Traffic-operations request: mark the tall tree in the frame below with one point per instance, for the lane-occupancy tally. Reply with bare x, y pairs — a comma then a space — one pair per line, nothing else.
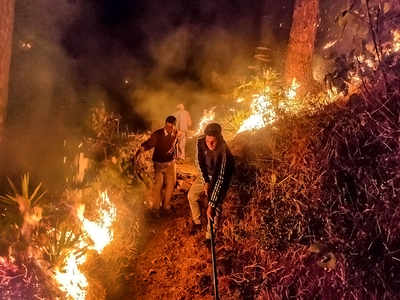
301, 44
7, 8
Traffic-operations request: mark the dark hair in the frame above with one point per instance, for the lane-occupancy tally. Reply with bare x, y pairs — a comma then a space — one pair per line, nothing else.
170, 119
213, 129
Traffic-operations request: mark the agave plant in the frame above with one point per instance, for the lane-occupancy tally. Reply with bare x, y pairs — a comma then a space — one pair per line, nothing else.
60, 241
25, 201
27, 204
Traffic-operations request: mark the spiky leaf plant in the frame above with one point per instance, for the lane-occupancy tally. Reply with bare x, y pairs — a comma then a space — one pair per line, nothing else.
59, 242
28, 206
26, 201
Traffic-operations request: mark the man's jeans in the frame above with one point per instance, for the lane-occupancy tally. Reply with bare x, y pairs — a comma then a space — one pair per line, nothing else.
164, 173
194, 197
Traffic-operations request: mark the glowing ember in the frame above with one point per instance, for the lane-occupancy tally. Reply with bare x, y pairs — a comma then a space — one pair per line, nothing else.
208, 116
396, 40
262, 113
71, 279
333, 93
291, 93
330, 44
367, 61
239, 100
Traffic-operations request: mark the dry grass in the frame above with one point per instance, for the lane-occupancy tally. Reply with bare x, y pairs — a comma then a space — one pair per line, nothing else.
322, 208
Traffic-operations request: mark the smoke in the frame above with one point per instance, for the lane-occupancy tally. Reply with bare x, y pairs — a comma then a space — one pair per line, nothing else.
194, 63
43, 94
138, 57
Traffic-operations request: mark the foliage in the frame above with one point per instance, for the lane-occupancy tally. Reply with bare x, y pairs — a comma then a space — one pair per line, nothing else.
104, 125
280, 101
322, 207
26, 201
59, 241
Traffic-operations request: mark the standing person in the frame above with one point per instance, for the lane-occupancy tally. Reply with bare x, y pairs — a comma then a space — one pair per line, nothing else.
163, 141
216, 164
183, 124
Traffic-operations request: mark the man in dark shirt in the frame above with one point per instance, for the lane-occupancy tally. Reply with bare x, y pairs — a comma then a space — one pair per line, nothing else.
163, 141
216, 165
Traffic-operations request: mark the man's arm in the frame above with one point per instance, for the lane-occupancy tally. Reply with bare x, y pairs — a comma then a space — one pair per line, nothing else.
201, 161
148, 144
218, 186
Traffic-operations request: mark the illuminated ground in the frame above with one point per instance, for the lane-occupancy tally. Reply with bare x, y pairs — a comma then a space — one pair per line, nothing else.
170, 260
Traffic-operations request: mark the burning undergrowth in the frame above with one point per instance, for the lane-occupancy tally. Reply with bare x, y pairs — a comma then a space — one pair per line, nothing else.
55, 244
321, 210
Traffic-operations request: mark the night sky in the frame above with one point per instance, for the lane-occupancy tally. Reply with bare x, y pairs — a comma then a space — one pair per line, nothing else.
122, 50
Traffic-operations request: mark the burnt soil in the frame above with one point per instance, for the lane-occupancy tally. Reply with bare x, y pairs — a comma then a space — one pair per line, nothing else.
171, 262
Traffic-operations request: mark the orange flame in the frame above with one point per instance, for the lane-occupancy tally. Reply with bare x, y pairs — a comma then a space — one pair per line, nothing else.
396, 40
262, 113
99, 232
292, 91
71, 279
208, 116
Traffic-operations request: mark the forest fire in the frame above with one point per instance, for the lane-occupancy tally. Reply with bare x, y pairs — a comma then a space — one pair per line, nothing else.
330, 44
291, 93
305, 173
208, 116
396, 40
99, 232
260, 108
71, 279
262, 111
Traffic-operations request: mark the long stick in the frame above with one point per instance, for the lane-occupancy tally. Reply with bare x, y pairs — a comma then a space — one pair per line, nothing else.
214, 261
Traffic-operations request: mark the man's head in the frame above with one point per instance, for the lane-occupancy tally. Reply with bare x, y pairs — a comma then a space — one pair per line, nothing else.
170, 123
213, 135
180, 106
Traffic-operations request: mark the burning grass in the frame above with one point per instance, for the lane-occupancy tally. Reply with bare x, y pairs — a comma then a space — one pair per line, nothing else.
55, 247
313, 210
321, 211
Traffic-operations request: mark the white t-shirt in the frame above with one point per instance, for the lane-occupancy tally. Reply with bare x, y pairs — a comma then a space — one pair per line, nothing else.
183, 120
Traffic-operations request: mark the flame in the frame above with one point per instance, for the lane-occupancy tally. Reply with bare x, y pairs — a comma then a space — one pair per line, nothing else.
291, 93
367, 61
99, 232
262, 113
71, 279
396, 40
330, 44
208, 116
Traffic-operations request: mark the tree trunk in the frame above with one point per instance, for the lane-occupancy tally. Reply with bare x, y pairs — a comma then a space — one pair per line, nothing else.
301, 44
6, 29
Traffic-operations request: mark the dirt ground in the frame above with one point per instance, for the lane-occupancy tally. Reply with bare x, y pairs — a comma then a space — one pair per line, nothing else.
171, 263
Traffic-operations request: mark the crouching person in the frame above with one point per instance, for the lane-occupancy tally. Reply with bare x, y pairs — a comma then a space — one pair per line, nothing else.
216, 165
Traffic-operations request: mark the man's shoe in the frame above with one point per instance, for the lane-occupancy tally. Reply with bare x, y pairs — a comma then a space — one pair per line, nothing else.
195, 228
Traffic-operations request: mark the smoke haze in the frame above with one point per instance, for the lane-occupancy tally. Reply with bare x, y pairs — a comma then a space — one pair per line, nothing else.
139, 58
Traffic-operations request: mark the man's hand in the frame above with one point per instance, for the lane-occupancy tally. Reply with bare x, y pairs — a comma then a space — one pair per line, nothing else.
140, 150
206, 187
211, 212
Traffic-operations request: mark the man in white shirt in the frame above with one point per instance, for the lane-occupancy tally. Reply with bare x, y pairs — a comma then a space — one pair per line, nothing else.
183, 124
